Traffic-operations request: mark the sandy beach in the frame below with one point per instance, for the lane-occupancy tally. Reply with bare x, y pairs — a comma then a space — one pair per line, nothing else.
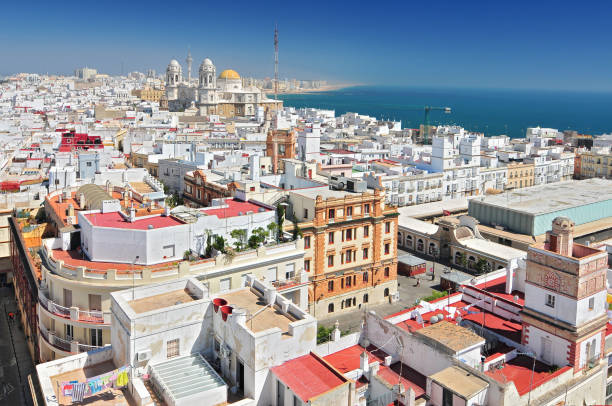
322, 89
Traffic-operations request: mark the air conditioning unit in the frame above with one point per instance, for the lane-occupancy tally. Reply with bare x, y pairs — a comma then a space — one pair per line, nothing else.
144, 355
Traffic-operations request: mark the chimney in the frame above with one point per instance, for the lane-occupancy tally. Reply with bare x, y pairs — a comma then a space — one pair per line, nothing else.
364, 362
561, 237
70, 210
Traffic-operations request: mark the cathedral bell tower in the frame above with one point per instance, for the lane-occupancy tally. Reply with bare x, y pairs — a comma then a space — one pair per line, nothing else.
207, 98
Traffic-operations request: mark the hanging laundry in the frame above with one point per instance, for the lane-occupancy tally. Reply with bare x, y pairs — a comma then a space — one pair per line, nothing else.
78, 392
122, 379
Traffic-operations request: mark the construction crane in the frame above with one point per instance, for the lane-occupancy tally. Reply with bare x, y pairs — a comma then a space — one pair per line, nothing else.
425, 135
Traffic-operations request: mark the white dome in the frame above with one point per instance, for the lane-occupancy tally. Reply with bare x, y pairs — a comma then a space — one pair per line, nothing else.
207, 64
174, 66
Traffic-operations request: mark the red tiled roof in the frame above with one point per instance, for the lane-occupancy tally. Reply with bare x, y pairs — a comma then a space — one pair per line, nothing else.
233, 209
518, 370
347, 360
409, 377
76, 258
115, 220
308, 376
506, 328
497, 288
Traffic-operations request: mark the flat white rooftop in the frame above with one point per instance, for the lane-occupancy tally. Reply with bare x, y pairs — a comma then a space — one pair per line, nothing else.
552, 197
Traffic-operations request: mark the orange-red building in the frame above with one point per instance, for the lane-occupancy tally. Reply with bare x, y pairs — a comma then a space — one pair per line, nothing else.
350, 243
199, 191
280, 144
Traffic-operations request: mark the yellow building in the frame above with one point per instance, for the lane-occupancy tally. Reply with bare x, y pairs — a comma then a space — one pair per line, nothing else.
149, 94
520, 175
595, 165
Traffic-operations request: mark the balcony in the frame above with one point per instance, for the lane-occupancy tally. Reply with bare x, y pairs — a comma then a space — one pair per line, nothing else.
67, 347
289, 284
73, 313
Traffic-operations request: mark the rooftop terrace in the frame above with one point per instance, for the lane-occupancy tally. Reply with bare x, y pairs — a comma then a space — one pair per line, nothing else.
267, 318
149, 303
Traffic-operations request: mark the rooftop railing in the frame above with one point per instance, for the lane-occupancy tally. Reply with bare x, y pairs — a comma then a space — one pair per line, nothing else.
73, 313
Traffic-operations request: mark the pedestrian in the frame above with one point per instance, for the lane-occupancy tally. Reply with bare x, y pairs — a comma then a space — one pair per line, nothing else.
11, 316
433, 275
418, 282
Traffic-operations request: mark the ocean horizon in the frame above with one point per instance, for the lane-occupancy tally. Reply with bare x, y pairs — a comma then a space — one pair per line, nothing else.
491, 111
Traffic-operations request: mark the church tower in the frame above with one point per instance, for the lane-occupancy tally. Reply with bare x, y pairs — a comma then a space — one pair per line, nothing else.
207, 98
565, 312
174, 76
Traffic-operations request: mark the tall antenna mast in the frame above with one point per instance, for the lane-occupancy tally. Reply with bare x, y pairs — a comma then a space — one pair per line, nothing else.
275, 62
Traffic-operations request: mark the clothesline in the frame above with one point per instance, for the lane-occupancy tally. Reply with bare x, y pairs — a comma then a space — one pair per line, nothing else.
116, 378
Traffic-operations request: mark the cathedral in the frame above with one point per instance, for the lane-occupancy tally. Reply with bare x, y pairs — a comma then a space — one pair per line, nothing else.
224, 95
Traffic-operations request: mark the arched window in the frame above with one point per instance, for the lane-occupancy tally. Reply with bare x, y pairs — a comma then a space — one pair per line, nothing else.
458, 258
330, 308
386, 292
365, 298
420, 245
409, 241
432, 248
471, 261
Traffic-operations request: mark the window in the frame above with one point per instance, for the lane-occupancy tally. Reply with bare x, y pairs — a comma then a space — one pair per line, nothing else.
330, 260
172, 348
591, 303
348, 281
88, 163
365, 276
349, 211
342, 283
96, 337
366, 231
386, 272
387, 248
366, 208
95, 302
225, 284
305, 213
365, 253
332, 213
67, 298
330, 286
307, 265
550, 300
365, 298
68, 332
307, 242
349, 257
331, 237
386, 292
330, 308
347, 302
388, 227
349, 234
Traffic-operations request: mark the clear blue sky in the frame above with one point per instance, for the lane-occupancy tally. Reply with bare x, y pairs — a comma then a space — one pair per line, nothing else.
512, 44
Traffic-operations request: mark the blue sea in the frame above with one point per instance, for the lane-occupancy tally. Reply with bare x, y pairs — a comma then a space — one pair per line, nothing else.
492, 111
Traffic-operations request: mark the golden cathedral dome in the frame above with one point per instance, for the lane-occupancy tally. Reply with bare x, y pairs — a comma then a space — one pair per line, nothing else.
229, 74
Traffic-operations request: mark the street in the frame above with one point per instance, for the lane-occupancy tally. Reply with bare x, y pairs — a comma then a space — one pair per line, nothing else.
408, 291
15, 361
